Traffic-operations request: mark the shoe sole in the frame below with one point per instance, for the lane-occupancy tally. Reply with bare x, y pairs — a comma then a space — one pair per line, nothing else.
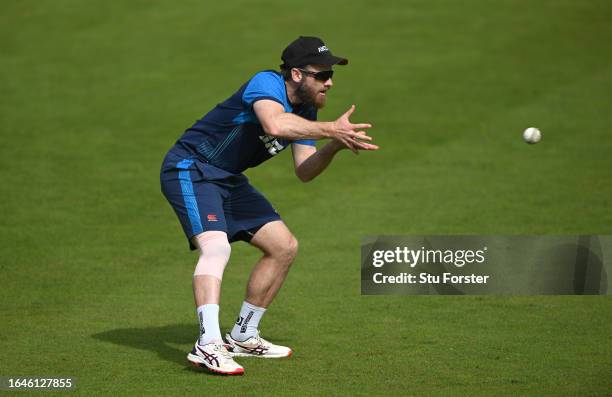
237, 354
194, 361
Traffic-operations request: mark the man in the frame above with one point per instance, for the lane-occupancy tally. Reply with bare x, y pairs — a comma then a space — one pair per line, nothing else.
202, 179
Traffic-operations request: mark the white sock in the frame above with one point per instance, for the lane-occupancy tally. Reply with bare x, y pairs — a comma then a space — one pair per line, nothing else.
247, 322
209, 324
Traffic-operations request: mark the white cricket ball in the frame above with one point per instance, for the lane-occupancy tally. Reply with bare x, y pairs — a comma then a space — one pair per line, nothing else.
532, 135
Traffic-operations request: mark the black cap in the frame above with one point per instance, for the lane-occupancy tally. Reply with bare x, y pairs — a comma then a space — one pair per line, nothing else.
309, 51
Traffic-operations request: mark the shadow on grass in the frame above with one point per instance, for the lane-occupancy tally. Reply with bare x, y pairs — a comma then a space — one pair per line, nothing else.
155, 339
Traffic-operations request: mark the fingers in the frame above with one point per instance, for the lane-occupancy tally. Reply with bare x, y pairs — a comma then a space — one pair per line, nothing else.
353, 136
356, 145
365, 145
352, 147
346, 122
350, 111
357, 141
360, 140
361, 126
368, 146
349, 144
360, 135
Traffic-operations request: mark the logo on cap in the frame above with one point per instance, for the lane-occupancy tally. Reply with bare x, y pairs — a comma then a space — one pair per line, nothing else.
307, 50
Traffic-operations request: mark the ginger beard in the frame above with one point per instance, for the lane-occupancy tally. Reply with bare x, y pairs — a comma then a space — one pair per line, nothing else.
310, 94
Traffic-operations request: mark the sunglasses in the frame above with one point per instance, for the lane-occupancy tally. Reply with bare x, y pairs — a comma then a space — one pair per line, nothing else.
321, 76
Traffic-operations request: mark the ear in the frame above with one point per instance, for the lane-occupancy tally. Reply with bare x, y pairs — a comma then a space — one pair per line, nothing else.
296, 75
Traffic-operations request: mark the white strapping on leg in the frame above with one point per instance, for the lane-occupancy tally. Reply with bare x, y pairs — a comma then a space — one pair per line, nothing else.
215, 252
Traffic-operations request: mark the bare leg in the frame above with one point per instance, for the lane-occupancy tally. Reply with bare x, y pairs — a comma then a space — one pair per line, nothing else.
206, 289
279, 249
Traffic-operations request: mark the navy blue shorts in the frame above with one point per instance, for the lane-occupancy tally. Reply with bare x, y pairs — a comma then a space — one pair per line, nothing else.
207, 198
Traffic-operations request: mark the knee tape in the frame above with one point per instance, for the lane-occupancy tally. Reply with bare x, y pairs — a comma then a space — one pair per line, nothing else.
214, 254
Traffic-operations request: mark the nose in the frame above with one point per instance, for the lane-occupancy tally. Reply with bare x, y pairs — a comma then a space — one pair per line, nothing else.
328, 83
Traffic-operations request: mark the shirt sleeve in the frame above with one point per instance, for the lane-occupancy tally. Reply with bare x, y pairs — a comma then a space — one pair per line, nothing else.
264, 85
308, 142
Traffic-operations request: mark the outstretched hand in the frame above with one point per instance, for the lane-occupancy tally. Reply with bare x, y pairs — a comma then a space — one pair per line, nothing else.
352, 136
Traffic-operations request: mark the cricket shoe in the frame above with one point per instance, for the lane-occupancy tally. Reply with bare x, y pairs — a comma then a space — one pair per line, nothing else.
214, 357
256, 346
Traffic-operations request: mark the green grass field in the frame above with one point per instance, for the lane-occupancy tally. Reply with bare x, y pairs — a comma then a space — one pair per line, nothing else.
95, 275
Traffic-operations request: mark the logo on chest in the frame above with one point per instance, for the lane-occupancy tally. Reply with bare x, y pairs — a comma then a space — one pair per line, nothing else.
272, 144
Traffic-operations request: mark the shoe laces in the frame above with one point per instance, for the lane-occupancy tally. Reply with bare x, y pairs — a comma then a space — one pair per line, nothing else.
261, 340
221, 349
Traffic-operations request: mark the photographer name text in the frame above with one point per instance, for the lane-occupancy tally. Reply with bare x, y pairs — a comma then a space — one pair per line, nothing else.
422, 256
